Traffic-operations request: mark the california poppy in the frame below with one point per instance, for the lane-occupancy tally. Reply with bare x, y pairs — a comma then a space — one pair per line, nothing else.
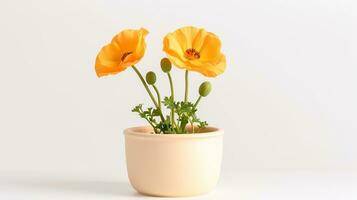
125, 50
195, 49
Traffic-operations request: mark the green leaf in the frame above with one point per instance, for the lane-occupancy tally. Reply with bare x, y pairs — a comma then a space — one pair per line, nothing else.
185, 113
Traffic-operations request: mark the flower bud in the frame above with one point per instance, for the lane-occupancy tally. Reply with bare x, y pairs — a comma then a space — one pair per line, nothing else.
165, 65
151, 78
205, 88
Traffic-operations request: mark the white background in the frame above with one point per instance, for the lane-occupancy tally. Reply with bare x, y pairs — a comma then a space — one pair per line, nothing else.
287, 101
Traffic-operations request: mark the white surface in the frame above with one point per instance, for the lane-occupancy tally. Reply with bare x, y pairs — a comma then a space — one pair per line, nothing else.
252, 186
287, 100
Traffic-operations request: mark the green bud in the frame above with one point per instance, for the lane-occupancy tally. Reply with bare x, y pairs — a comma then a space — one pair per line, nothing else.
205, 88
151, 78
165, 65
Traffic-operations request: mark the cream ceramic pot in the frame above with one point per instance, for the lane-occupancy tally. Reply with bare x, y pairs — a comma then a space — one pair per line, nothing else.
171, 165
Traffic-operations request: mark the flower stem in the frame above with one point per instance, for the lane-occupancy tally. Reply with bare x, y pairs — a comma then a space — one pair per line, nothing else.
198, 100
173, 99
192, 126
158, 96
149, 92
186, 85
194, 107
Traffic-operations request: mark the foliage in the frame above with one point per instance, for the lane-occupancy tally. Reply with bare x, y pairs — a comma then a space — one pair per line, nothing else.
184, 114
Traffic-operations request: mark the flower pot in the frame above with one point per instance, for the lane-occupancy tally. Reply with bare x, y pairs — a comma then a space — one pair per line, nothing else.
171, 165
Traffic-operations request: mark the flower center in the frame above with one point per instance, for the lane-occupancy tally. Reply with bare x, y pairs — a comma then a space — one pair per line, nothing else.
125, 55
192, 54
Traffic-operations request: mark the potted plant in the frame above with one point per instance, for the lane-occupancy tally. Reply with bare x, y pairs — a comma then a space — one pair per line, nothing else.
176, 154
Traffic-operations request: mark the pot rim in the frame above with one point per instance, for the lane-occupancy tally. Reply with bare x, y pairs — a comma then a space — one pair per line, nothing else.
143, 131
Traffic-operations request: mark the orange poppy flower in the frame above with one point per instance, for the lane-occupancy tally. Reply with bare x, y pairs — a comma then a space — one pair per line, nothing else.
125, 50
195, 49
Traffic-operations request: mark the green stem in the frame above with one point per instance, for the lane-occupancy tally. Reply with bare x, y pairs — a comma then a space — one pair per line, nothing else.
152, 125
186, 85
192, 126
198, 100
194, 107
158, 96
173, 99
159, 100
149, 92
